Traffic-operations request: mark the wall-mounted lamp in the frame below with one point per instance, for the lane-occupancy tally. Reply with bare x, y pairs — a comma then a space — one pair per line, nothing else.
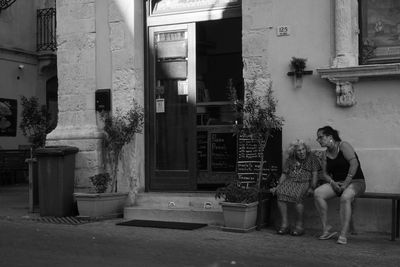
298, 66
21, 66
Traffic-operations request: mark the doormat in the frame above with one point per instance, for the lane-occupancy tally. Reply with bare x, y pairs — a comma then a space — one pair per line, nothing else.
59, 220
163, 224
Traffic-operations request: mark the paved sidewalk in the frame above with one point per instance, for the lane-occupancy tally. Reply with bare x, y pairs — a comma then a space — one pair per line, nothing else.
104, 243
14, 201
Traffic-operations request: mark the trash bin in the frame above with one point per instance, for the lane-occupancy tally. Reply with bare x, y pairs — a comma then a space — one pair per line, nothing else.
56, 167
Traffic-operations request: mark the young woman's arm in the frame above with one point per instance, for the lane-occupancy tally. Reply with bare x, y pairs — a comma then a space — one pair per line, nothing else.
350, 156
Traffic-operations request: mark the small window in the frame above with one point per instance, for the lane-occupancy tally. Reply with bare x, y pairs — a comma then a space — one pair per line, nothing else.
380, 31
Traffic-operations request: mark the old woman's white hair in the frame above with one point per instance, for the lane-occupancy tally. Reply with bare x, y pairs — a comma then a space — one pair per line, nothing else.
293, 146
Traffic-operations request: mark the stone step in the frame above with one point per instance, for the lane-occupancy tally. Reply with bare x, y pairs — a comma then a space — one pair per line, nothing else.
211, 217
181, 207
178, 200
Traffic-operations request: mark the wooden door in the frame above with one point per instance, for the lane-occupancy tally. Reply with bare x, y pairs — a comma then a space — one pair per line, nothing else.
172, 108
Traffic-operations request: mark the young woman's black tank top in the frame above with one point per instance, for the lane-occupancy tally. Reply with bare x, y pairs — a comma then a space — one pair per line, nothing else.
338, 168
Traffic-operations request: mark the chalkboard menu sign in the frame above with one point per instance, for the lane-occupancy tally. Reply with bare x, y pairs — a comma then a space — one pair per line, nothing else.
249, 156
223, 152
202, 150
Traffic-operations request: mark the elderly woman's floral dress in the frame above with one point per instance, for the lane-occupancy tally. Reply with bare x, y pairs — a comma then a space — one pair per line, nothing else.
298, 179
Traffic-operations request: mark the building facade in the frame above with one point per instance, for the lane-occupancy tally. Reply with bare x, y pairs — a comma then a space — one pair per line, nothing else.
27, 63
180, 59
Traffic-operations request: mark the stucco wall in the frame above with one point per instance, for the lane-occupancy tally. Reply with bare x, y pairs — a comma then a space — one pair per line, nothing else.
371, 125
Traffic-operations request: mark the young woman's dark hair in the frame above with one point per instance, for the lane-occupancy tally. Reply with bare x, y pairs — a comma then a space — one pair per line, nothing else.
328, 130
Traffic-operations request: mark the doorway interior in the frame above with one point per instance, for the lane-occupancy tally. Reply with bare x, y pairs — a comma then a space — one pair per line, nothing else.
194, 71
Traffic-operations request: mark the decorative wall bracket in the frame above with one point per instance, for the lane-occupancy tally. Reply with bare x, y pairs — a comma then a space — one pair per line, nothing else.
298, 76
344, 92
5, 4
298, 66
344, 78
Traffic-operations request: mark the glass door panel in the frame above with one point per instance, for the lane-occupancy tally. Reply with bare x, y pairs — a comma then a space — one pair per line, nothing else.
172, 103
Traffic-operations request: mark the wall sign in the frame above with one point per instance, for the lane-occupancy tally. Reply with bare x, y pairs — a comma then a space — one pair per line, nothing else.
168, 6
223, 152
8, 117
282, 30
160, 105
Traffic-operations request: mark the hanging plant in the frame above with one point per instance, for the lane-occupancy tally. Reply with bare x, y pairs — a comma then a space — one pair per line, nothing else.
298, 65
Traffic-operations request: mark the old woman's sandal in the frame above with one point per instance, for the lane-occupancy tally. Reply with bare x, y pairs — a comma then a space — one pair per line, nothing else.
298, 232
283, 231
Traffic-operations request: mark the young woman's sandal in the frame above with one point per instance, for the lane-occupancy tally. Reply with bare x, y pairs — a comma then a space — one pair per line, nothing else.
327, 235
342, 240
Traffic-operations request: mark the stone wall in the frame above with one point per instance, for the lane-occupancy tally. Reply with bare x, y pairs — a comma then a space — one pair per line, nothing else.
256, 73
86, 37
76, 37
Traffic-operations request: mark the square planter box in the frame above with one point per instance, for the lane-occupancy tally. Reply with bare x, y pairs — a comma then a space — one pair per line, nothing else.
239, 217
100, 205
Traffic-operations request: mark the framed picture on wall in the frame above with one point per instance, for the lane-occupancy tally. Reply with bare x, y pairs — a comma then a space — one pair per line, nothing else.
380, 31
8, 117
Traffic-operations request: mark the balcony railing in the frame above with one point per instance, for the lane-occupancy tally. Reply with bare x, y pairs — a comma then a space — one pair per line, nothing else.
46, 29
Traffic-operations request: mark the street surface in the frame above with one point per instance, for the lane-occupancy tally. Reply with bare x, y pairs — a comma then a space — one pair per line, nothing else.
29, 243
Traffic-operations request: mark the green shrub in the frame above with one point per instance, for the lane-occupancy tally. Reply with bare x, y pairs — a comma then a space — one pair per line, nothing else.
235, 193
100, 181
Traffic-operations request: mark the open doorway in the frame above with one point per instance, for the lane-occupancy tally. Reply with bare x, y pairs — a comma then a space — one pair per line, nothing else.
219, 75
193, 68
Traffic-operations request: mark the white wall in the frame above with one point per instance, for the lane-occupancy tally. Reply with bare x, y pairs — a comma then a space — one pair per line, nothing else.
371, 126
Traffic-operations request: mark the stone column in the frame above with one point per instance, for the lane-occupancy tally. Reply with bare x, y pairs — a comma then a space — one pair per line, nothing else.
76, 66
346, 52
344, 30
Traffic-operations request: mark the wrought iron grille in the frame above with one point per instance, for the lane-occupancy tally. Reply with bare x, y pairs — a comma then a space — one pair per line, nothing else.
5, 3
46, 29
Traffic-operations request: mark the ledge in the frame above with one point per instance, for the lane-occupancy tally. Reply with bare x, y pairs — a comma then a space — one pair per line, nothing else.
345, 77
353, 73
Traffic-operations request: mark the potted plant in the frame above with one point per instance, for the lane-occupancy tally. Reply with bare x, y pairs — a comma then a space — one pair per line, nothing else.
239, 206
368, 49
259, 121
34, 125
97, 203
119, 130
298, 66
34, 118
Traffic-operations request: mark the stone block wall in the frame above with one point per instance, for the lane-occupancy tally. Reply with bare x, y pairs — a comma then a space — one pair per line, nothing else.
113, 37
